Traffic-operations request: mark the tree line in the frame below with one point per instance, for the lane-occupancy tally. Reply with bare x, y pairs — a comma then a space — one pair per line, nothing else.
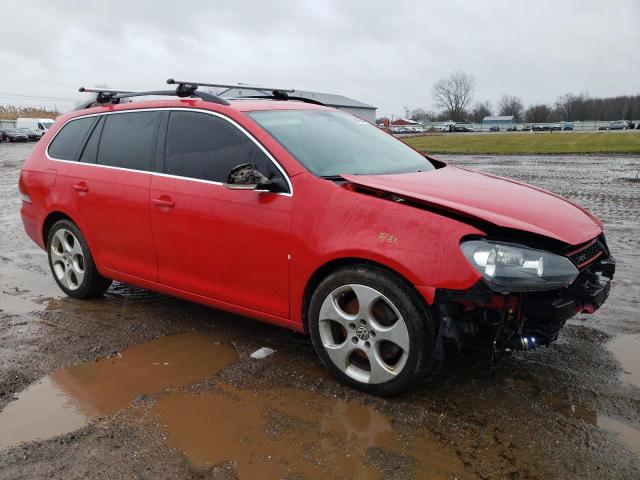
453, 100
11, 112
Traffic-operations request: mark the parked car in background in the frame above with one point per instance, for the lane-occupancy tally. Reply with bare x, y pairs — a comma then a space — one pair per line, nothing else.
526, 128
566, 126
39, 125
546, 127
13, 135
30, 133
512, 128
494, 128
615, 125
618, 125
463, 127
1, 136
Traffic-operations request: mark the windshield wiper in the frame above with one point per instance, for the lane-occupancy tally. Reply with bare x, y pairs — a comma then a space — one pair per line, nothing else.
333, 178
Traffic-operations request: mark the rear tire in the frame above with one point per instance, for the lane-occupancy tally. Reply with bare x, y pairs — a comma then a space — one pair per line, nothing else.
371, 330
71, 262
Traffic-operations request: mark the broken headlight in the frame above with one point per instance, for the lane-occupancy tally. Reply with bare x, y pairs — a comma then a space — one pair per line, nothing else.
515, 268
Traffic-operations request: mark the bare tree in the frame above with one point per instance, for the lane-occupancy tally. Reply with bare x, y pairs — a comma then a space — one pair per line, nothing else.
572, 107
511, 105
420, 115
538, 113
480, 110
454, 94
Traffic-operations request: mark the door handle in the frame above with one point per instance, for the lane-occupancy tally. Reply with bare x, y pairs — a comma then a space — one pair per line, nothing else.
163, 203
81, 187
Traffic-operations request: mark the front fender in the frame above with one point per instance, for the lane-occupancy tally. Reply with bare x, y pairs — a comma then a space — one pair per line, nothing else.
420, 245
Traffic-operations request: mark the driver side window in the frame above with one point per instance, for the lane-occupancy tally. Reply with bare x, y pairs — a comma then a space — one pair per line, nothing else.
206, 147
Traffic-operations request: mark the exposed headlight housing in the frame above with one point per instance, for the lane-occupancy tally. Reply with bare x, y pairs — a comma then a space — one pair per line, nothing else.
509, 267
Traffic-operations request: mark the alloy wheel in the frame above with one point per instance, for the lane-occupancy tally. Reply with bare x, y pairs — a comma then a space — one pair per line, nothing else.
67, 259
364, 334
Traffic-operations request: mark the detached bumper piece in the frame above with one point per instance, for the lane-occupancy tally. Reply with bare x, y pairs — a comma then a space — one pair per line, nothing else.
585, 295
544, 317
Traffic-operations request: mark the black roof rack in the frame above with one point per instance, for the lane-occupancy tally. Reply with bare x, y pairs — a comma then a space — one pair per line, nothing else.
186, 89
183, 90
276, 93
171, 81
105, 95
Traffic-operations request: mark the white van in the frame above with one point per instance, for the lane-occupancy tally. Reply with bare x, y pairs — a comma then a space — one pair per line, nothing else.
39, 125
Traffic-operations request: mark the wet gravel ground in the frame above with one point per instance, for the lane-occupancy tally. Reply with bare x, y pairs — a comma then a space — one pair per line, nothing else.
535, 416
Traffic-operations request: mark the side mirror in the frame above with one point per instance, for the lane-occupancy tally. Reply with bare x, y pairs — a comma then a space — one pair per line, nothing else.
248, 177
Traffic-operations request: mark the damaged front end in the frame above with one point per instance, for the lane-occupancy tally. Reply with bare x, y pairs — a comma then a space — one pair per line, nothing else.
525, 307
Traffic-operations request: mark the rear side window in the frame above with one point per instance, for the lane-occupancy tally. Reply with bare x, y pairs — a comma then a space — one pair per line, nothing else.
128, 140
66, 145
207, 147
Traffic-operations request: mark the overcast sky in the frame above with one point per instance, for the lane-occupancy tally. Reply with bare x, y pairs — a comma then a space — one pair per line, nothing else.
384, 53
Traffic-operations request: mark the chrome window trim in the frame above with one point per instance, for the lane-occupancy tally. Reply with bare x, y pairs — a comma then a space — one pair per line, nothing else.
164, 109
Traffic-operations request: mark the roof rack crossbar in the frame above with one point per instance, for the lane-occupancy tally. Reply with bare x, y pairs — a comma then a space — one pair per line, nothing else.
105, 95
171, 81
98, 90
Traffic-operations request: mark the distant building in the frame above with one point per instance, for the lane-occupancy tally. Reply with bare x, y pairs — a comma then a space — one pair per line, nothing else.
402, 122
354, 107
7, 123
499, 121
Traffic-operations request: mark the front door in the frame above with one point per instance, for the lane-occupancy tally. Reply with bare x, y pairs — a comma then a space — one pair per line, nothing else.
228, 245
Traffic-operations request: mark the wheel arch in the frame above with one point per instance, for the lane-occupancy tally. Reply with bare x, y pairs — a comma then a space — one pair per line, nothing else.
53, 216
331, 266
50, 219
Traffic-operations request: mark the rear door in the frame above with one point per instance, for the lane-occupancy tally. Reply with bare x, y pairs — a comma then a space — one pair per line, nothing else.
110, 185
229, 245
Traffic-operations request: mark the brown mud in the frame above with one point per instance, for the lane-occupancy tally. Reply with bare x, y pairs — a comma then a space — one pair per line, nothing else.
569, 411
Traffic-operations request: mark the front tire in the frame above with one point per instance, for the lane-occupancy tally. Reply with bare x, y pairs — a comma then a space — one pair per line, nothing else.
71, 262
371, 330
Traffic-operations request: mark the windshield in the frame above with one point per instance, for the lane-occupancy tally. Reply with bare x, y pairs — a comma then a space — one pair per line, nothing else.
331, 143
46, 125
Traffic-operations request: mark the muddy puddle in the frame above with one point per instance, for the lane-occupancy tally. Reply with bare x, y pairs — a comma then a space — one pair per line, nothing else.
70, 398
272, 433
627, 434
28, 291
290, 433
626, 348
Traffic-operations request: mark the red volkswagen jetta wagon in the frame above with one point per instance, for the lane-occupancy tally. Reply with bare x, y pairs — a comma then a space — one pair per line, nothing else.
285, 210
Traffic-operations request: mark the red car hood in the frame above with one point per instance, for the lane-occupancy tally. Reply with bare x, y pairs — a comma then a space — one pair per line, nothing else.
499, 201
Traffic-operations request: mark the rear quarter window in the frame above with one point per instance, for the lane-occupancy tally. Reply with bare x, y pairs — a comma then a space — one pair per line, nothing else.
67, 143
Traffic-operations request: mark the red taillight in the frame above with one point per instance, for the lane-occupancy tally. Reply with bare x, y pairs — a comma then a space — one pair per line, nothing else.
23, 190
